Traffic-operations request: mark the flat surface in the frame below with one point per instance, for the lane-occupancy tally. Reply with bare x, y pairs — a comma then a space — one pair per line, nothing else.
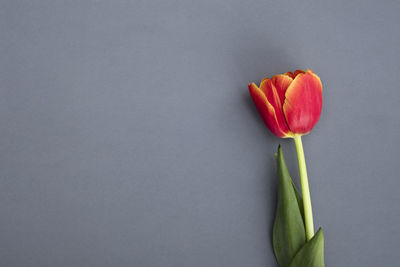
128, 137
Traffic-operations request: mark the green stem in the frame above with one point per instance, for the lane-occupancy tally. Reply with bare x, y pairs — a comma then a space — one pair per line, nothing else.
308, 217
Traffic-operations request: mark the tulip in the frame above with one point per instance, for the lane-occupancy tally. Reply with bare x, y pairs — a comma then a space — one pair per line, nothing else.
290, 104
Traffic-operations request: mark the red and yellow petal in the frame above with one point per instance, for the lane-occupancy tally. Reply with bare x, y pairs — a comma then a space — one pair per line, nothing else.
290, 74
303, 102
281, 83
274, 98
267, 112
297, 72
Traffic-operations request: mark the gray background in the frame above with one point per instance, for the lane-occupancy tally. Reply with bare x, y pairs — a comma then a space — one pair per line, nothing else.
128, 137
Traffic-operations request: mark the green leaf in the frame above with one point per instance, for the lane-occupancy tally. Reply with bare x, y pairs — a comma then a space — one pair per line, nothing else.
298, 196
312, 253
288, 233
299, 201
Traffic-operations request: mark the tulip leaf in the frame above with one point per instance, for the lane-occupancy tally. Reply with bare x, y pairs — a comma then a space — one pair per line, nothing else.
288, 232
312, 253
299, 201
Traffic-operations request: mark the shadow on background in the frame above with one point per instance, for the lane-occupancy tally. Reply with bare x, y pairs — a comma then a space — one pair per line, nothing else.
255, 60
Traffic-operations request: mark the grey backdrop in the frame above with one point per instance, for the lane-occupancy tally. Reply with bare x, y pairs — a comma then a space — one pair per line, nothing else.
128, 137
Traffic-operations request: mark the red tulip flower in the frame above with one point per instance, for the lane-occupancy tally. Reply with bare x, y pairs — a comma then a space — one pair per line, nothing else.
289, 104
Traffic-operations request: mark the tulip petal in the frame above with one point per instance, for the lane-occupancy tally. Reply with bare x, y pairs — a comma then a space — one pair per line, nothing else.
266, 111
303, 102
281, 83
297, 72
290, 74
274, 97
